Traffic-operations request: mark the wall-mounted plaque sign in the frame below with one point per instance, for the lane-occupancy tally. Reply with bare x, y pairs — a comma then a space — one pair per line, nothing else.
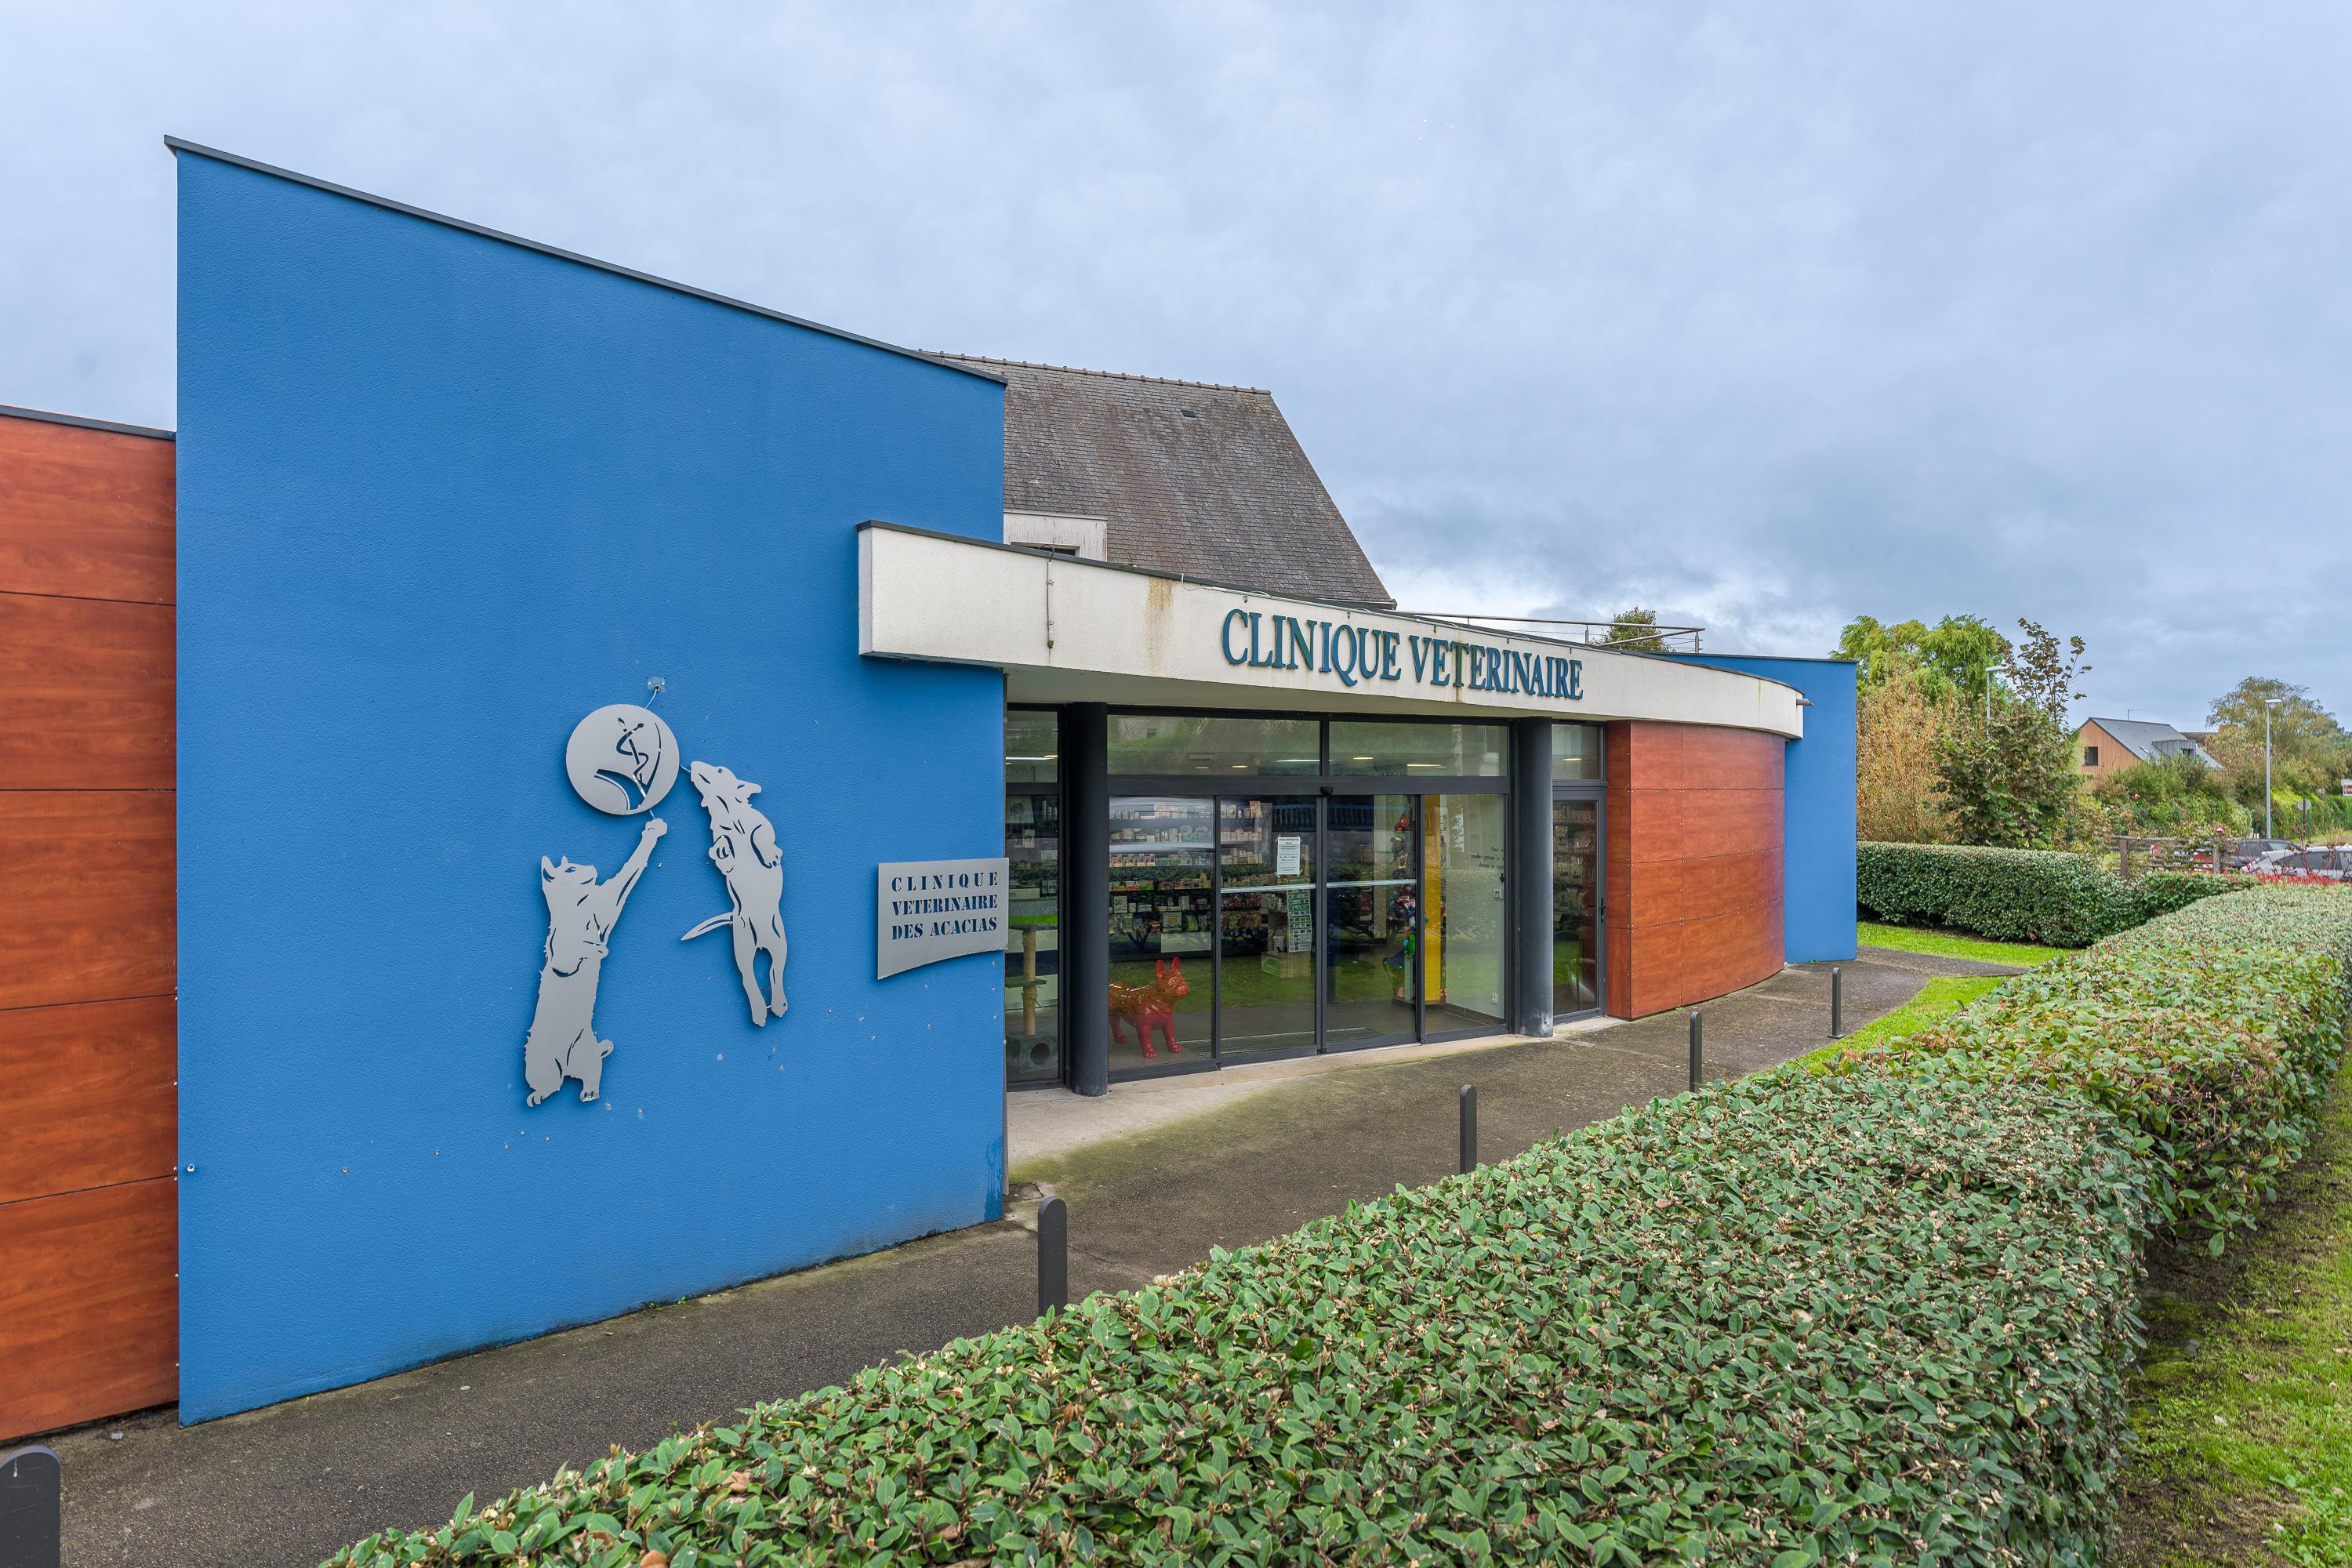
926, 910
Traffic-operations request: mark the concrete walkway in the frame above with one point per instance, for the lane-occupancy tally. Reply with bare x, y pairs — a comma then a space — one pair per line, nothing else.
1154, 1177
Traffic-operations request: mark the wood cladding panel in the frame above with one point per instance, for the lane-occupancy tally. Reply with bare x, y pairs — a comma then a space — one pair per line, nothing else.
1728, 821
90, 1097
89, 685
84, 513
1695, 870
89, 1245
90, 911
91, 1298
1746, 761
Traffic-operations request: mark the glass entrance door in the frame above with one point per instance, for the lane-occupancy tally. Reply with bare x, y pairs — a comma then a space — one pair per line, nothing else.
1464, 915
1371, 914
1244, 927
1267, 865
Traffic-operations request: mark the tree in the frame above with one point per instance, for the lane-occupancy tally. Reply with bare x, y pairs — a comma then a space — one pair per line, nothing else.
2171, 795
1637, 629
2005, 771
1958, 655
2309, 749
1899, 724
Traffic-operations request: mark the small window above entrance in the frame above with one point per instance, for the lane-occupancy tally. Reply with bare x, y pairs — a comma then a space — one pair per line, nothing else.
1407, 750
1212, 745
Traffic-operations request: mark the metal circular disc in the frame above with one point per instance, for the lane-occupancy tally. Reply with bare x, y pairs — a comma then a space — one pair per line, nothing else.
622, 758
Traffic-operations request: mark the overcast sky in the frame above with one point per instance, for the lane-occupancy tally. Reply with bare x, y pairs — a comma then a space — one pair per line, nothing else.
1766, 315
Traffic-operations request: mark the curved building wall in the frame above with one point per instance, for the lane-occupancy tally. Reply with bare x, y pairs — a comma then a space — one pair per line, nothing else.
1697, 819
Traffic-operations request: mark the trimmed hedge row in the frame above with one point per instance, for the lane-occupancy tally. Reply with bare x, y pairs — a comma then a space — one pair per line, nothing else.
2213, 1031
1853, 1315
1877, 1313
2018, 894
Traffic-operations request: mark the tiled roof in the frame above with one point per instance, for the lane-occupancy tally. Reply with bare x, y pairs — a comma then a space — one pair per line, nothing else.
2147, 740
1191, 477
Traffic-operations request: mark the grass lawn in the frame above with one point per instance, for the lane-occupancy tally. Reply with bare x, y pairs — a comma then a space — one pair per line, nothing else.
2243, 1401
1944, 994
1950, 945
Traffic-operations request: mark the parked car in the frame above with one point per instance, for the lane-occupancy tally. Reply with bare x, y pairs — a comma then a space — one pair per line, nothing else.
2246, 852
2295, 861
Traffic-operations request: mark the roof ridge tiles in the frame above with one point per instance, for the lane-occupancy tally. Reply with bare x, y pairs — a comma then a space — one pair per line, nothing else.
1107, 374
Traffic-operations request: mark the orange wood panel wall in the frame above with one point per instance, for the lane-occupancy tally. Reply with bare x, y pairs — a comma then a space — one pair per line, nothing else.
88, 1214
1695, 820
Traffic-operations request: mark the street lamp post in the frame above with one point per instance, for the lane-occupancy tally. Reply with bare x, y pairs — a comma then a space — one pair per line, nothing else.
2268, 703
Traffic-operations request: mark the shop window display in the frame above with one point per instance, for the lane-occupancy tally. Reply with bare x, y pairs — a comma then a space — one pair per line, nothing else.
1575, 906
1033, 849
1162, 923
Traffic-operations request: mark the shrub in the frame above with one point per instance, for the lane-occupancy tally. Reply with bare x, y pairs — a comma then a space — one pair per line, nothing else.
2213, 1031
2018, 895
1900, 718
1875, 1314
1881, 1317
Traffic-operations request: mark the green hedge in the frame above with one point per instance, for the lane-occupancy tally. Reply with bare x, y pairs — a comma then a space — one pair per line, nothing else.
2018, 895
2213, 1031
1883, 1317
1873, 1314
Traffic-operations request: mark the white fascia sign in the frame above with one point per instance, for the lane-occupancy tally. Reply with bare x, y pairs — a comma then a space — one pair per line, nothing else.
1067, 630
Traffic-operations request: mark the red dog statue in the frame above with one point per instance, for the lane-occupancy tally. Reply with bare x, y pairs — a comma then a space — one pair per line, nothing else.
1150, 1007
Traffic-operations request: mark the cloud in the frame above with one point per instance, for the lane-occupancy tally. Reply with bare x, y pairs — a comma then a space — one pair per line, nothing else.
1767, 315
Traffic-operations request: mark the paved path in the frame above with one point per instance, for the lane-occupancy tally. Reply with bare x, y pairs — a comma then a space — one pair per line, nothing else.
290, 1484
1935, 964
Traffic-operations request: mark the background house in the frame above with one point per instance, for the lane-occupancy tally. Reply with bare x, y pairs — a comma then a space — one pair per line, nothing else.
2105, 746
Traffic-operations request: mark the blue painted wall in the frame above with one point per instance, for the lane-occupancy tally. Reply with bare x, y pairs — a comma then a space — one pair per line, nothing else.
1819, 845
440, 497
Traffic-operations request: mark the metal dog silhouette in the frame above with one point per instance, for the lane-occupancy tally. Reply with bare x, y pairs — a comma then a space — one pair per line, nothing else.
743, 848
581, 914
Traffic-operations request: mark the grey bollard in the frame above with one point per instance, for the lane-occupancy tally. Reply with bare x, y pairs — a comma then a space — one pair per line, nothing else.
1053, 1256
31, 1520
1698, 1050
1469, 1151
1837, 1004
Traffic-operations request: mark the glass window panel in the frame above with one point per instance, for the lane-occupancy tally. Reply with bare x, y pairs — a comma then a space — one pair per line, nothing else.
1462, 866
1369, 904
1213, 745
1266, 975
1032, 958
1032, 745
1400, 750
1160, 918
1575, 906
1576, 750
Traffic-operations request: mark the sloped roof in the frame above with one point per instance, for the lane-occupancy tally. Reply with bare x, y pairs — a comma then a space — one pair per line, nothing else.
2147, 740
1203, 480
